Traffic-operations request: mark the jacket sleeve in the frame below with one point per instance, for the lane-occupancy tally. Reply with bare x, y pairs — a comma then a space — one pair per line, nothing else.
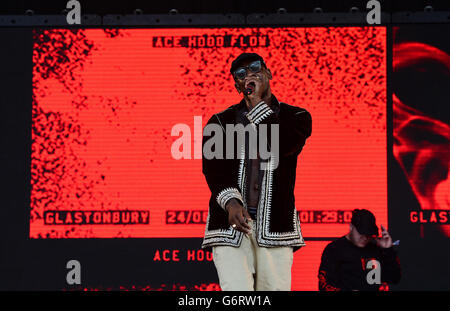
390, 266
328, 271
217, 169
298, 128
294, 129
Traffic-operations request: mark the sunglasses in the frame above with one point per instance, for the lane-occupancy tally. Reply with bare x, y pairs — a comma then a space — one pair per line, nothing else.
241, 72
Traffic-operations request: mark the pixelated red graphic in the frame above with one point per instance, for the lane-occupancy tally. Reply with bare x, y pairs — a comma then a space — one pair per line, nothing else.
422, 143
105, 101
160, 287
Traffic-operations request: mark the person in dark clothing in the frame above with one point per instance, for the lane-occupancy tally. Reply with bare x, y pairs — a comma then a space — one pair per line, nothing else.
348, 263
253, 226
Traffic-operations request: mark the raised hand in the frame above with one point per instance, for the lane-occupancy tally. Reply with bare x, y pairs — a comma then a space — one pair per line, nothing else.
385, 241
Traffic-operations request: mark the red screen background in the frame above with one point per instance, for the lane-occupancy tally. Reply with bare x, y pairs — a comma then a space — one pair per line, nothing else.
105, 102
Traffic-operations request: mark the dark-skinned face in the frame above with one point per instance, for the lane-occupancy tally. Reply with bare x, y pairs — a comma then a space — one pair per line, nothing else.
262, 78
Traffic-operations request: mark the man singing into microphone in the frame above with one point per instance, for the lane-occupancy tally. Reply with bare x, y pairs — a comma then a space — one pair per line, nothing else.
253, 226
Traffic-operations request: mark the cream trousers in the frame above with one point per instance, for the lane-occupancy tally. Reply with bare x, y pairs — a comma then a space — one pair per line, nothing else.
251, 267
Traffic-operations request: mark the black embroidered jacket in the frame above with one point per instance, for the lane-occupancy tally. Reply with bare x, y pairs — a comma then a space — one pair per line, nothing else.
277, 221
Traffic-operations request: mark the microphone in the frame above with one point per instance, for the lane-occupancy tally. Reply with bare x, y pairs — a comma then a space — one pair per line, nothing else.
249, 89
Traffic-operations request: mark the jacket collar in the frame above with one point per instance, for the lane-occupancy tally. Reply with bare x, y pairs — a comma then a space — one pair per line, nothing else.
274, 104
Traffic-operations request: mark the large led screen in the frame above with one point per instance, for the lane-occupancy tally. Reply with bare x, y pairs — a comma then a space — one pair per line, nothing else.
419, 207
105, 162
105, 103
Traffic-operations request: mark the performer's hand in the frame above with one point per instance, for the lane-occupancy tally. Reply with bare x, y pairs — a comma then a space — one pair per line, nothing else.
238, 216
385, 241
